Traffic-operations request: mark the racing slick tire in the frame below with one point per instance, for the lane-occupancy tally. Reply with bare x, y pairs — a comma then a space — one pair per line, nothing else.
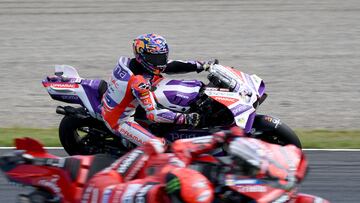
272, 130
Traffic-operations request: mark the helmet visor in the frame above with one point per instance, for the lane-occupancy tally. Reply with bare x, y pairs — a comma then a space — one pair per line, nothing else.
156, 59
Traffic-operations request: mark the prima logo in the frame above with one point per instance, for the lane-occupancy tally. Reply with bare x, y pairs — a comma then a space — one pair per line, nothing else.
240, 109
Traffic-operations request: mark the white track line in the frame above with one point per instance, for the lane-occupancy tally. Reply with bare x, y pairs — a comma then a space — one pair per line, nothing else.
334, 150
45, 148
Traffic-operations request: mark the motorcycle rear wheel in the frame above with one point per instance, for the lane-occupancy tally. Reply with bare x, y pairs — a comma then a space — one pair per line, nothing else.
87, 136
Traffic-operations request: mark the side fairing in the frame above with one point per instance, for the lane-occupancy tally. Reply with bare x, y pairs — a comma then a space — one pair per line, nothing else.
240, 106
177, 95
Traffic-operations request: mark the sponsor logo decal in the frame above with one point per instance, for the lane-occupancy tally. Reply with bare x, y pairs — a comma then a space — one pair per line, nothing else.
221, 93
227, 99
118, 193
241, 121
182, 96
217, 89
239, 109
119, 73
51, 184
251, 188
130, 192
144, 86
87, 193
107, 193
141, 195
167, 116
231, 181
177, 136
70, 97
64, 85
95, 195
275, 121
144, 94
128, 161
173, 185
130, 136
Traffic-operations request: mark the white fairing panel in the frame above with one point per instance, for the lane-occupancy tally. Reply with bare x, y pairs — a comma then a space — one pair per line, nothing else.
242, 118
76, 91
258, 83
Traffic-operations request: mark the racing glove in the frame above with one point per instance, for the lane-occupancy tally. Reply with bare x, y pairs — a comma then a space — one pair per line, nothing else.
205, 65
192, 119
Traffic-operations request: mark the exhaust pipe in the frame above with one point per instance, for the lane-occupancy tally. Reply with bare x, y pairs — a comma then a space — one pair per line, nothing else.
60, 110
71, 111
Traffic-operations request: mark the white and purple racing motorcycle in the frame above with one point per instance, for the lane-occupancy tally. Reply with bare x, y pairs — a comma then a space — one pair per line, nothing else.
230, 98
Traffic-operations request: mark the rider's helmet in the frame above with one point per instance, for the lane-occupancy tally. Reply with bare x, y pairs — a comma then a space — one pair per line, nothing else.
189, 186
151, 50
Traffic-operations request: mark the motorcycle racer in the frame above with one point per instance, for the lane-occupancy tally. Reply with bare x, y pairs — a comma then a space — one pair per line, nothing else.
130, 85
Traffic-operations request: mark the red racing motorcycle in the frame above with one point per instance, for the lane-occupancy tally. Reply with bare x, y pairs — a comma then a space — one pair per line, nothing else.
58, 179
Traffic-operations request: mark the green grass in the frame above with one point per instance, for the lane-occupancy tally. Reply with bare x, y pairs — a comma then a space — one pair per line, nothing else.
49, 137
347, 139
309, 138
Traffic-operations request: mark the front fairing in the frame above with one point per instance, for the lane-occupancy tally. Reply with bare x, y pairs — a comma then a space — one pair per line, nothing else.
241, 107
284, 171
246, 90
238, 79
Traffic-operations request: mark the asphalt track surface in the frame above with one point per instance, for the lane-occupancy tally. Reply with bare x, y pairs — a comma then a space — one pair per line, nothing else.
333, 175
308, 51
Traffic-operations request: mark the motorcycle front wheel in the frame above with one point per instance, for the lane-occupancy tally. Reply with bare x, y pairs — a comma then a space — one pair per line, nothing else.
272, 130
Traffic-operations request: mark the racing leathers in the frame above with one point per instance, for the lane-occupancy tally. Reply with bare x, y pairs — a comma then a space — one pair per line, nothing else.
130, 86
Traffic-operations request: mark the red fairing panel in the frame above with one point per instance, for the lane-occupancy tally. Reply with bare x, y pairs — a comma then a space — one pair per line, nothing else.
32, 147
